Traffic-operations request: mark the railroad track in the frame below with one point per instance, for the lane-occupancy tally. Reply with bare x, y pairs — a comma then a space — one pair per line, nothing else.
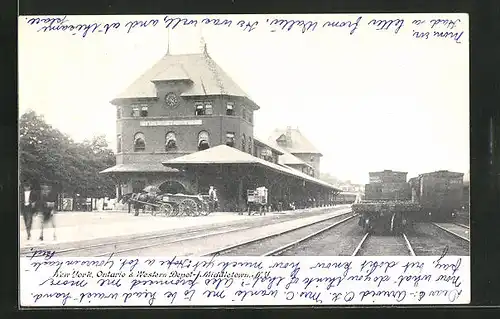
141, 242
373, 245
462, 225
452, 232
277, 243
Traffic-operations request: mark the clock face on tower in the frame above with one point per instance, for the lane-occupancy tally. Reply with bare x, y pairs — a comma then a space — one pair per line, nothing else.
171, 99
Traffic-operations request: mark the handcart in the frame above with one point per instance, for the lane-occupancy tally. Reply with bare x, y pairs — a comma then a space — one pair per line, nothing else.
257, 201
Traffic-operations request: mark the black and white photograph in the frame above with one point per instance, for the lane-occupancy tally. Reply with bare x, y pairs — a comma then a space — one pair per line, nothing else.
202, 141
348, 136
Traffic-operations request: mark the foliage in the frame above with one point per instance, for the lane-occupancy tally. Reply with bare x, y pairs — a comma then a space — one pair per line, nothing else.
48, 155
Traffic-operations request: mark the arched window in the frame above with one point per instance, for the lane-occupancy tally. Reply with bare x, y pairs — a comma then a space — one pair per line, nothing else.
203, 141
119, 143
139, 142
170, 142
230, 139
243, 143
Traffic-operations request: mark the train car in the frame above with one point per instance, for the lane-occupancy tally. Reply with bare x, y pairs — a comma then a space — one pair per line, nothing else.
440, 194
346, 198
387, 206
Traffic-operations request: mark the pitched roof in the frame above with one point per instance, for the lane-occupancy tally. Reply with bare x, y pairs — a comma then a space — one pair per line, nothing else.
290, 159
298, 144
223, 154
274, 148
139, 167
207, 77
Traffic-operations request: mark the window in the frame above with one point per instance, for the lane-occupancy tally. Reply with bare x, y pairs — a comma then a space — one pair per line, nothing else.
170, 142
230, 139
203, 141
135, 112
119, 143
250, 147
118, 112
266, 154
250, 117
200, 110
144, 111
230, 109
311, 159
203, 108
208, 109
139, 142
243, 143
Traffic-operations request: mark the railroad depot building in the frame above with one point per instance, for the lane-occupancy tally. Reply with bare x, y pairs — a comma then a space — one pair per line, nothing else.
185, 125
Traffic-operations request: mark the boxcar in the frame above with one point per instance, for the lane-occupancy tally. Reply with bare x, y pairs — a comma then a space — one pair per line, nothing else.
439, 193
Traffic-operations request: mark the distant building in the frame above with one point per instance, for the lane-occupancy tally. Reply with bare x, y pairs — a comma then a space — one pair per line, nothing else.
303, 153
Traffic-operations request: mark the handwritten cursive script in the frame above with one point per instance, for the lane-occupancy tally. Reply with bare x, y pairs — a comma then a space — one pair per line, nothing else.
48, 280
438, 28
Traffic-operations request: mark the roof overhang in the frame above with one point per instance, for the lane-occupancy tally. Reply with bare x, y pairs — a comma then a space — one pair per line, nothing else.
139, 168
225, 155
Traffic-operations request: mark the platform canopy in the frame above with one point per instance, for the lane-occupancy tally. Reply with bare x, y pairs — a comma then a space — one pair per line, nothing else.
223, 154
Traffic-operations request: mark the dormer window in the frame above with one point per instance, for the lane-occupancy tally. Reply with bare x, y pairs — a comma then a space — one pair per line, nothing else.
230, 109
144, 111
230, 139
170, 142
281, 140
136, 112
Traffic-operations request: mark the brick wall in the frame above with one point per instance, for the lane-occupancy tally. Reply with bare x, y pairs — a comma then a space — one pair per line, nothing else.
216, 125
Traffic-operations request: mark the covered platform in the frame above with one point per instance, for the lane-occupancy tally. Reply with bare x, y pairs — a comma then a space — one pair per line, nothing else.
233, 172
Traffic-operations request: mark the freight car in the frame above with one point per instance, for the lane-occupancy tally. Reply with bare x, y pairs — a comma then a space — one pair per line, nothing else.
346, 198
387, 207
439, 193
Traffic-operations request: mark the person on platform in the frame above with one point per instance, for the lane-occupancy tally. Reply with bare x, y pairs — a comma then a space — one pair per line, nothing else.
212, 196
29, 199
47, 206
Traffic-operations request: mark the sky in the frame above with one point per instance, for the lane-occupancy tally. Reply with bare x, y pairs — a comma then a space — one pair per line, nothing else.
369, 101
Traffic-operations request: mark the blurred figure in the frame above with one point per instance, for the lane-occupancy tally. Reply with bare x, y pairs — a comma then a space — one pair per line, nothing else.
47, 206
29, 199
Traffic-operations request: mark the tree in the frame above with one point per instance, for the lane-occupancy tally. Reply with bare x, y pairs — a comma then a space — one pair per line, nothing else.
47, 155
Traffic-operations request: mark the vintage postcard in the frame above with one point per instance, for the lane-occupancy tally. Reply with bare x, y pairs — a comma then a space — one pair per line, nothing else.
244, 160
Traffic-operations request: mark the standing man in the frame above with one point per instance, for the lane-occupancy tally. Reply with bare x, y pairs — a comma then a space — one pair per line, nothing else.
212, 197
29, 200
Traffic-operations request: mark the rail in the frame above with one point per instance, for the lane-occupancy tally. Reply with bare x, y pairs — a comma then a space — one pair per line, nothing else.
287, 246
407, 244
451, 232
462, 225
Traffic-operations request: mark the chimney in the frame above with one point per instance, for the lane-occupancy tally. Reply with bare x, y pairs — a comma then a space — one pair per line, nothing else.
289, 136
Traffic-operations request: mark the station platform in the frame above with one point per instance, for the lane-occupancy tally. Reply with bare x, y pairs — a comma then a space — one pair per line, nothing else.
84, 226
